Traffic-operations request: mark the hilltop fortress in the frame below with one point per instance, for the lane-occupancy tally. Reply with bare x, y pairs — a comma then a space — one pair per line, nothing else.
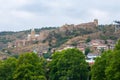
89, 25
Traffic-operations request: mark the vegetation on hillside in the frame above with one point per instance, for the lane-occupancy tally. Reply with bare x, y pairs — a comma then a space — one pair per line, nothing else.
57, 37
68, 64
106, 67
62, 37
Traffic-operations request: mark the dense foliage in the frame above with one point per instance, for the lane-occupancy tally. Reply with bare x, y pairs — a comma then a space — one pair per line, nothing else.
87, 50
98, 69
107, 66
7, 68
27, 67
68, 65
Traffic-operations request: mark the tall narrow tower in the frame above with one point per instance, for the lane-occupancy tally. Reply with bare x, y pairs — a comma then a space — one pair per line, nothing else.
96, 22
32, 33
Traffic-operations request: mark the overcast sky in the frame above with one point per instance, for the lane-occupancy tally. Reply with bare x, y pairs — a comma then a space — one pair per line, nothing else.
17, 15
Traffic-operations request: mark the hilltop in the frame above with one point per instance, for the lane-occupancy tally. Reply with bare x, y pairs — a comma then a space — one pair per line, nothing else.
49, 39
10, 36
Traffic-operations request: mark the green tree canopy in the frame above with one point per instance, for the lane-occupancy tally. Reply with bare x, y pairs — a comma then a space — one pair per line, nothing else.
99, 67
29, 67
113, 69
107, 67
68, 64
117, 46
87, 50
88, 39
7, 67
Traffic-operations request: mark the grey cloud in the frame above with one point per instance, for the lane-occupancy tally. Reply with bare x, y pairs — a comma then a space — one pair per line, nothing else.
27, 14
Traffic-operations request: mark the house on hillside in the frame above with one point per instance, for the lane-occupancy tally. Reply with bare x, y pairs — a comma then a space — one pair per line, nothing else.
97, 45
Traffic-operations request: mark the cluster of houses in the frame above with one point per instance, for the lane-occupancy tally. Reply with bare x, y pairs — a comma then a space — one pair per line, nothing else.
96, 46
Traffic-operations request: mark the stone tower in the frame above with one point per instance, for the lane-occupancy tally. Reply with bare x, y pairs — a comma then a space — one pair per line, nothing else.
33, 34
96, 22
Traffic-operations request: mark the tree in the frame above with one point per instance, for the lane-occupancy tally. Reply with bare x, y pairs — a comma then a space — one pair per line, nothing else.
102, 50
68, 64
7, 68
74, 44
87, 50
113, 69
29, 67
99, 67
107, 66
117, 46
47, 55
88, 39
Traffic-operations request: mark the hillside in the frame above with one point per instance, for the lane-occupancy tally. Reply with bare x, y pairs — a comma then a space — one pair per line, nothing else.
56, 38
9, 36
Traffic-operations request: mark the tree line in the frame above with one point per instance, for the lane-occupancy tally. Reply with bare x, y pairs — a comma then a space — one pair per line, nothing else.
65, 65
68, 64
